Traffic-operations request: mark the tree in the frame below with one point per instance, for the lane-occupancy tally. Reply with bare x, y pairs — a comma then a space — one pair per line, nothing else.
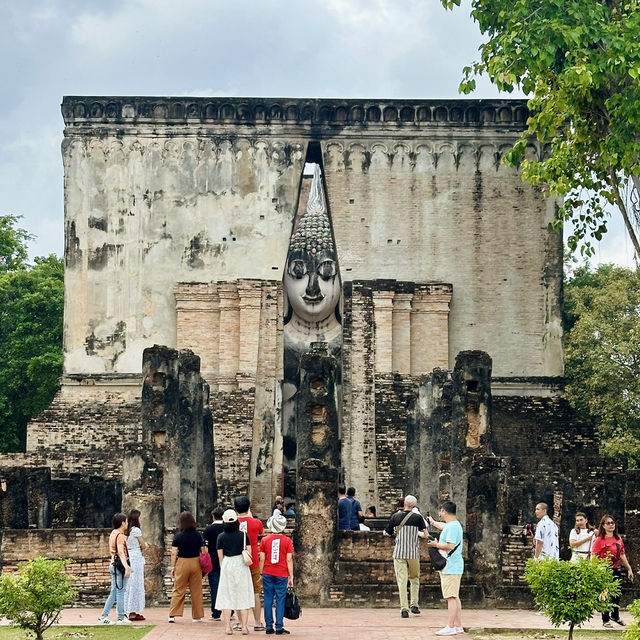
602, 308
33, 597
570, 592
31, 308
13, 244
579, 61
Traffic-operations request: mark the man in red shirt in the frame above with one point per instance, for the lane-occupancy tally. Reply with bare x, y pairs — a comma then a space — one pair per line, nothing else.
276, 566
254, 529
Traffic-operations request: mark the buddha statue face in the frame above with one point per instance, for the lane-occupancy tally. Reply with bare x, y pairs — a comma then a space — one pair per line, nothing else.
312, 284
311, 278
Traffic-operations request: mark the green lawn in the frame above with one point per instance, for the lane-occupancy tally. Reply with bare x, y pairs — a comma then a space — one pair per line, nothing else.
560, 634
111, 632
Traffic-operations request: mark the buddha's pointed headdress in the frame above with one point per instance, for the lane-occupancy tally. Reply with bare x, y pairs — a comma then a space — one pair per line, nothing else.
313, 233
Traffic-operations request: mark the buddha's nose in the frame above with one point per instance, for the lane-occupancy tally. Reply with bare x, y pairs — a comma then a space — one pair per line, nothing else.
313, 288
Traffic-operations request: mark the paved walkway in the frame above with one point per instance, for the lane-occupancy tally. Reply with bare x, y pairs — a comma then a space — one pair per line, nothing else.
326, 624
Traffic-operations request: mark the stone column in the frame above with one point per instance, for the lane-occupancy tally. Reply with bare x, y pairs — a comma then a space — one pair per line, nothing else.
198, 323
401, 326
430, 328
176, 427
229, 335
383, 318
142, 480
317, 427
250, 297
316, 527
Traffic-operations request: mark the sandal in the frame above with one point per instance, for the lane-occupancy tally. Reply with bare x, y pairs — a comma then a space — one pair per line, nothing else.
259, 627
245, 632
229, 632
237, 627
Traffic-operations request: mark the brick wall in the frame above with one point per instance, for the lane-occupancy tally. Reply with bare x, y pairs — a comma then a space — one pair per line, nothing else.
87, 548
232, 413
65, 433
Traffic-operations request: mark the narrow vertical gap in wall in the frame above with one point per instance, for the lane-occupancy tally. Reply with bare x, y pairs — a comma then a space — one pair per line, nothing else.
313, 296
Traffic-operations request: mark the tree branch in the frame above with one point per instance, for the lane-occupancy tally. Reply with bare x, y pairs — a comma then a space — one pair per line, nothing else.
624, 212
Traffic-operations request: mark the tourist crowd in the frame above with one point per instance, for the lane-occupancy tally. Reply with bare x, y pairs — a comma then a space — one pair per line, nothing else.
242, 563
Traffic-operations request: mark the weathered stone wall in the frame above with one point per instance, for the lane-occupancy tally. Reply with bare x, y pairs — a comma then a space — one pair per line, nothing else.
34, 492
160, 191
237, 327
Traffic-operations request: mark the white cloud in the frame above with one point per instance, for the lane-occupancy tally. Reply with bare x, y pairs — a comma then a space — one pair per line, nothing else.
319, 48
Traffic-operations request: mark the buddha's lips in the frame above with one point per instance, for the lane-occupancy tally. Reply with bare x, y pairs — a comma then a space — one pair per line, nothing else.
313, 300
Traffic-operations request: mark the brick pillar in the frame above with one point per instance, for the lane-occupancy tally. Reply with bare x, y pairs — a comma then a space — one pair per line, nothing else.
250, 297
430, 328
383, 318
401, 327
198, 323
229, 335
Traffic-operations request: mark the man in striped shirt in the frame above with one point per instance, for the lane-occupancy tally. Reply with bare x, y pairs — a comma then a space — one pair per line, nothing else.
407, 527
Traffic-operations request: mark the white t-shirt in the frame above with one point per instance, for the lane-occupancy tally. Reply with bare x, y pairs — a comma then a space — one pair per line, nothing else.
582, 550
547, 531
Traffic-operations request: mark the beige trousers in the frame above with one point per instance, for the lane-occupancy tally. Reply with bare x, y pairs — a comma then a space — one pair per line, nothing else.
188, 574
407, 569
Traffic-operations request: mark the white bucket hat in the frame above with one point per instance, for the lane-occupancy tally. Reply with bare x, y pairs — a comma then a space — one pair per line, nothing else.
277, 524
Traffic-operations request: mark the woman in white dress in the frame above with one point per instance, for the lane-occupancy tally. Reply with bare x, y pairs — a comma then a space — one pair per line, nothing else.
581, 538
134, 598
235, 590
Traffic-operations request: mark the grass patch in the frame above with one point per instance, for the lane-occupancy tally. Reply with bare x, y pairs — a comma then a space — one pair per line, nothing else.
560, 634
111, 632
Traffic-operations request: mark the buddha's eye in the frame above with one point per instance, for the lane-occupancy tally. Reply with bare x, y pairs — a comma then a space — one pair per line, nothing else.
327, 269
297, 269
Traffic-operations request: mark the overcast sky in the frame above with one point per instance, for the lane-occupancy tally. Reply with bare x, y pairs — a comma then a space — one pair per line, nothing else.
279, 48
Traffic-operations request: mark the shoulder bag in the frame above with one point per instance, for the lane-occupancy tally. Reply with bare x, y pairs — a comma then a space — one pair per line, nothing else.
117, 563
206, 566
292, 608
438, 561
246, 556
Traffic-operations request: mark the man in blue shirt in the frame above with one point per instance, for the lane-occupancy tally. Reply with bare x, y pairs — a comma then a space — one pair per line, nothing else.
344, 509
450, 545
356, 509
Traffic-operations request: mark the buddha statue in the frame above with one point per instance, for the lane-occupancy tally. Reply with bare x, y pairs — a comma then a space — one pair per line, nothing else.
313, 290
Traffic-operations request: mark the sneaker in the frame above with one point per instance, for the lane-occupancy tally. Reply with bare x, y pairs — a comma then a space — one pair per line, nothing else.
415, 610
197, 620
105, 620
446, 631
215, 618
404, 613
280, 632
259, 627
618, 621
172, 619
269, 630
124, 621
459, 630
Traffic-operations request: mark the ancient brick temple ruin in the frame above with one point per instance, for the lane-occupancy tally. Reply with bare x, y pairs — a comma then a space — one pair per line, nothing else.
267, 296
